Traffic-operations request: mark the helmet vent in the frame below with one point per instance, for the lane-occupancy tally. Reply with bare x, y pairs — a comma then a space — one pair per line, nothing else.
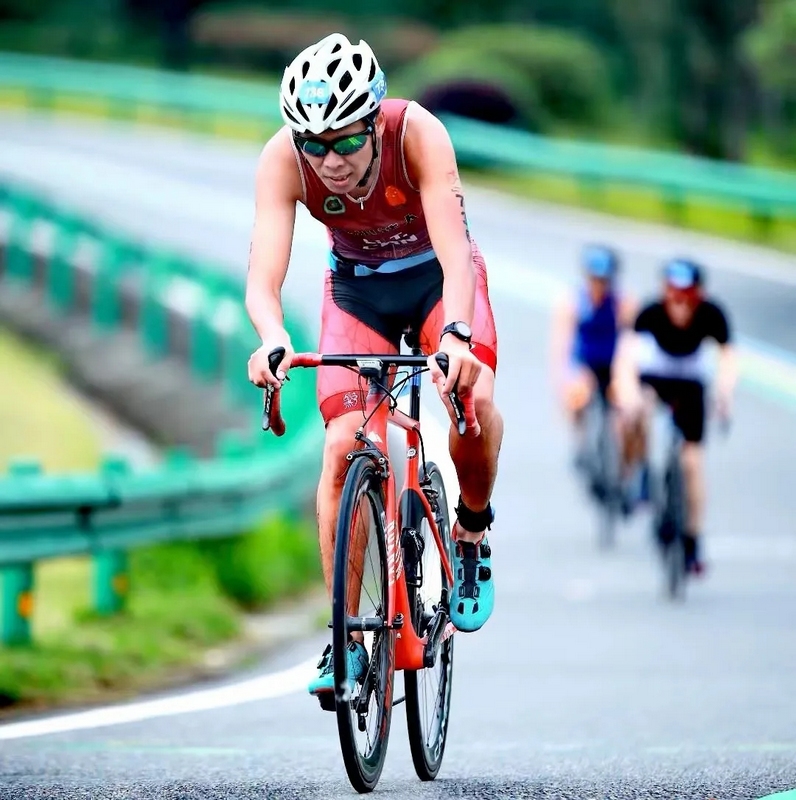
355, 104
330, 107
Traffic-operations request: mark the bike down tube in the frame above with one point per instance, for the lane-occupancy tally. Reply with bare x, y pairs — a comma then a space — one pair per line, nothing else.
408, 646
376, 412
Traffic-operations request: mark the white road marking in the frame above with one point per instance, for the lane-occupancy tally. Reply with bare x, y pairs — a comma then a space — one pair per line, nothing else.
264, 687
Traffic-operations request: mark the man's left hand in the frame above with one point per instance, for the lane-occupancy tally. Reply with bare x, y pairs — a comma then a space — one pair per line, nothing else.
723, 406
463, 370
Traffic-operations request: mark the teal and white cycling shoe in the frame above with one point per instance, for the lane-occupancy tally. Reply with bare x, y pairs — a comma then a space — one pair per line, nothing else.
473, 596
323, 682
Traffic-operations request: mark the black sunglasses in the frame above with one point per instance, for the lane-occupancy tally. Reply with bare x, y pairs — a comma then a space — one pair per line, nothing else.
342, 145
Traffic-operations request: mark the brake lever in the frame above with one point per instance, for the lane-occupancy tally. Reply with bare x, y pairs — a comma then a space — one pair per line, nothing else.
456, 403
274, 359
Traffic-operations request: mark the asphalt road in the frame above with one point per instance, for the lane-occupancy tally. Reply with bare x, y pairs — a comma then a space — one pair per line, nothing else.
586, 683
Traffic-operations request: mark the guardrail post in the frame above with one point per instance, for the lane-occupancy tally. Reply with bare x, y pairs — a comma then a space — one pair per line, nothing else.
17, 603
204, 343
19, 254
41, 97
111, 572
111, 581
153, 318
236, 355
674, 205
114, 255
591, 187
17, 579
61, 270
763, 221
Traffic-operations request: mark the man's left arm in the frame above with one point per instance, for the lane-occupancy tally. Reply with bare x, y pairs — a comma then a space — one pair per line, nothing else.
727, 368
432, 162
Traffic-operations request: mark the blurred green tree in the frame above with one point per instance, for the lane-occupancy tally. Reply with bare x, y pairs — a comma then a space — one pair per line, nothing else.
25, 9
771, 46
170, 19
692, 77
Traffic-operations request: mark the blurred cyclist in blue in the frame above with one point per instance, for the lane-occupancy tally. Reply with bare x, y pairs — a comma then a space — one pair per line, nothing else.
586, 327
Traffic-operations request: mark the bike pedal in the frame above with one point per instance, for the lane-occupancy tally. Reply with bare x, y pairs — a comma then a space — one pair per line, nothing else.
326, 699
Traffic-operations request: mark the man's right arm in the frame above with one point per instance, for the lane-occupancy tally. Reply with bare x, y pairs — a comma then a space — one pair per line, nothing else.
561, 340
277, 188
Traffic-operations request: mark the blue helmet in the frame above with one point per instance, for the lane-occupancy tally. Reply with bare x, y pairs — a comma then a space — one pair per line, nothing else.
600, 261
682, 273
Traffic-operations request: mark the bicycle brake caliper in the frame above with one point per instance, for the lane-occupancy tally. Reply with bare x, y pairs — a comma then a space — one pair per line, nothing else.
413, 547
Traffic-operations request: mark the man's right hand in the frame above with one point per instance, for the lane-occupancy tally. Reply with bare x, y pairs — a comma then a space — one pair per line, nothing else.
260, 372
627, 396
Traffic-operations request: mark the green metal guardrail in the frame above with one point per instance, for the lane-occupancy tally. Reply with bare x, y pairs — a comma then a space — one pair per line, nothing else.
103, 514
225, 105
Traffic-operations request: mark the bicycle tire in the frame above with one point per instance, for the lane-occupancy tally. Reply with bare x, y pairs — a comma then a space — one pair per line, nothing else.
362, 481
610, 500
674, 553
427, 755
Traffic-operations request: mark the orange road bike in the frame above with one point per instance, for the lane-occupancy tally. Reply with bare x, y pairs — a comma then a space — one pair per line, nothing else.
392, 570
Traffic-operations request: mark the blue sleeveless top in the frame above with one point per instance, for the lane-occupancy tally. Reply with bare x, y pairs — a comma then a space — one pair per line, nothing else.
595, 339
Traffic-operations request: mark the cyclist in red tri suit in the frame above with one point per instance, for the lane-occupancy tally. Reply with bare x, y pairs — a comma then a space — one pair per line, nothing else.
382, 176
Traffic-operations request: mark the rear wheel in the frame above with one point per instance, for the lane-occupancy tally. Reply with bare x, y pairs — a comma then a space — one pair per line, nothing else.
674, 522
428, 691
360, 601
610, 500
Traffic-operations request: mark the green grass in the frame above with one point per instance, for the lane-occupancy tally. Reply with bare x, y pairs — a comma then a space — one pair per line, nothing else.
39, 416
176, 611
184, 598
644, 205
279, 559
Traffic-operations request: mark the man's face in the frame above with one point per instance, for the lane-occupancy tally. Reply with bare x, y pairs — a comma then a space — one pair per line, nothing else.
341, 174
598, 288
680, 304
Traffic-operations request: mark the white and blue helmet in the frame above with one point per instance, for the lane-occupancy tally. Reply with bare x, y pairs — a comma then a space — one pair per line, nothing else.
331, 84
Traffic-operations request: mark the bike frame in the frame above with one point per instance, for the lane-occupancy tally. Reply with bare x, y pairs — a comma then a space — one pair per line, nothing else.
399, 508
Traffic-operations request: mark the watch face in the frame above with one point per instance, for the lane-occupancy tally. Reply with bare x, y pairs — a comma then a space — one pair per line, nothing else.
463, 329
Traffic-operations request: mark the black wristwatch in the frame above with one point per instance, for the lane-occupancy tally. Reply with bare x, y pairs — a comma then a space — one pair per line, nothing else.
461, 330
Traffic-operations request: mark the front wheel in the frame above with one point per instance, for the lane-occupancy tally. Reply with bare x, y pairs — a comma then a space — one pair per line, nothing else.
359, 602
428, 691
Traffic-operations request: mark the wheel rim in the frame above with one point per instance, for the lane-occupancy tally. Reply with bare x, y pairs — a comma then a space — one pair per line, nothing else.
433, 685
368, 707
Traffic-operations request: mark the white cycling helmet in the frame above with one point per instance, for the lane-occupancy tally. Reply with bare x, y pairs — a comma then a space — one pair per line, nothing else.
331, 84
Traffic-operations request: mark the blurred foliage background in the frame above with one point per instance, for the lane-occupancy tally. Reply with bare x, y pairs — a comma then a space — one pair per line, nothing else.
711, 77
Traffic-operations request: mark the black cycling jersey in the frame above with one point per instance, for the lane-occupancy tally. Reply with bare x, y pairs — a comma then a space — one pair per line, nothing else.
709, 322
